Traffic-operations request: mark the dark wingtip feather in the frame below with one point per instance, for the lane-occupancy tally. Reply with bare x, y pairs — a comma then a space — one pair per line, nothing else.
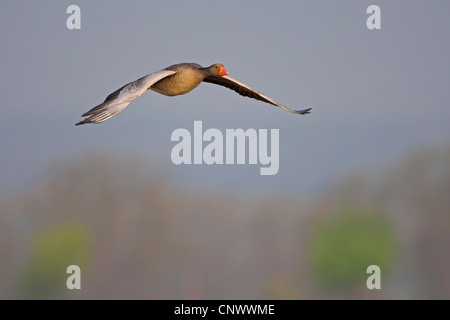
82, 122
305, 111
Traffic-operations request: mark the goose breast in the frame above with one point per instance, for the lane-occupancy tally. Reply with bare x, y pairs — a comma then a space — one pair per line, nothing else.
187, 77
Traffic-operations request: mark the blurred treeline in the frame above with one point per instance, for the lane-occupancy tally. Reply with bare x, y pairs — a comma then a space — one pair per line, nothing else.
135, 235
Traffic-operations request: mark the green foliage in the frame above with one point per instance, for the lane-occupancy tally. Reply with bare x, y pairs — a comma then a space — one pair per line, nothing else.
346, 245
52, 252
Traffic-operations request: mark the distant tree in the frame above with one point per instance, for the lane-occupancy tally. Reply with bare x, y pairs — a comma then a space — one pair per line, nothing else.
52, 252
347, 244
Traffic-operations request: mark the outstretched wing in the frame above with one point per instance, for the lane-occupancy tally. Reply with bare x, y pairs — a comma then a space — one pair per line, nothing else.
246, 91
121, 98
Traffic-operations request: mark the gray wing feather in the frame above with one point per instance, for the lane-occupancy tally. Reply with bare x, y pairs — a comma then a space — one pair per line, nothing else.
246, 91
121, 98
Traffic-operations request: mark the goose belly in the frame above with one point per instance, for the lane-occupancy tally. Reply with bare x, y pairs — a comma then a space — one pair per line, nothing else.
179, 83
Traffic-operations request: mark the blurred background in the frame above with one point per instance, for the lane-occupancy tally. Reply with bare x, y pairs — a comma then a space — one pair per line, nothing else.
363, 180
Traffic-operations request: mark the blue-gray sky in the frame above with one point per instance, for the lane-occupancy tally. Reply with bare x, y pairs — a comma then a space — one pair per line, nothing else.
376, 95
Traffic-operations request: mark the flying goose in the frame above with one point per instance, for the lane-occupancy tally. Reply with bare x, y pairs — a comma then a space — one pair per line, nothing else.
173, 81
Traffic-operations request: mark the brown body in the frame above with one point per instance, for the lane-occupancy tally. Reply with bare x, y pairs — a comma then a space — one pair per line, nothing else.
187, 77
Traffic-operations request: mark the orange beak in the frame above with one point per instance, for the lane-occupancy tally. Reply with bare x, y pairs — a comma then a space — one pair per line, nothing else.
223, 72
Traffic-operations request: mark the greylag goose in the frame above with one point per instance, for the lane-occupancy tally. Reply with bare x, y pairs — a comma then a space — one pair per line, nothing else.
173, 81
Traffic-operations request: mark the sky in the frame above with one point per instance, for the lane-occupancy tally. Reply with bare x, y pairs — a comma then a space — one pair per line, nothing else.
376, 94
